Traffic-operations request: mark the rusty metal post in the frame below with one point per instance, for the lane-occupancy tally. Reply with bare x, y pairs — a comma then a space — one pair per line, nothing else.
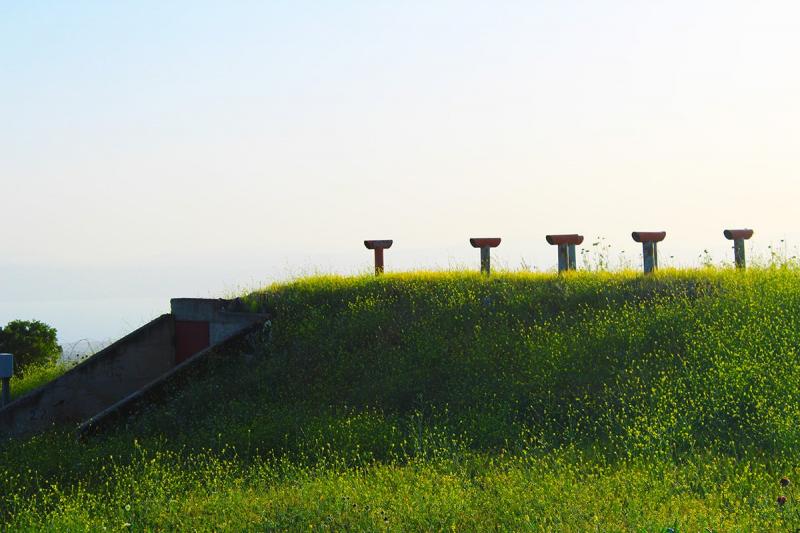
378, 246
738, 236
378, 261
566, 249
649, 240
485, 244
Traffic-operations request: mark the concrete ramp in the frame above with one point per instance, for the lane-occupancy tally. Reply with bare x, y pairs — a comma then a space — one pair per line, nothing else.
163, 387
127, 366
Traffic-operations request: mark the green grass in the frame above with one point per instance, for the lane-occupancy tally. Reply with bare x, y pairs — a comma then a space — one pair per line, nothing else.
421, 401
36, 375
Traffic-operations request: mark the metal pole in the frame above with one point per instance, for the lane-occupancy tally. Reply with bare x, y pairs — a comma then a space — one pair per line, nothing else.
563, 257
6, 371
378, 261
738, 253
486, 266
571, 257
6, 391
650, 256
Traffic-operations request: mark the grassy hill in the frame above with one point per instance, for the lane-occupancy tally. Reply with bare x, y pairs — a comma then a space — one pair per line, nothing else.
449, 400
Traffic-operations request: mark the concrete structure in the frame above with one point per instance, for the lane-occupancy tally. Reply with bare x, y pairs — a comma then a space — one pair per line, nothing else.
566, 249
235, 346
203, 322
738, 236
96, 383
649, 240
379, 246
126, 366
485, 244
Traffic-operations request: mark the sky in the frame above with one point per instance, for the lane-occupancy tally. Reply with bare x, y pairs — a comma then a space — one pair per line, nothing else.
151, 150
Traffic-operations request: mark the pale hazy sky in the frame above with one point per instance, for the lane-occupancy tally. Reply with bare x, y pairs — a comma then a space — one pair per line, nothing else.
157, 149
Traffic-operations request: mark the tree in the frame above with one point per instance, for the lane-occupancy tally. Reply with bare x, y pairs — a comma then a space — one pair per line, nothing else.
30, 341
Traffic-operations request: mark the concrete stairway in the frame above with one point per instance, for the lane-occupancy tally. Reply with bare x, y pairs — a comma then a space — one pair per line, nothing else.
137, 361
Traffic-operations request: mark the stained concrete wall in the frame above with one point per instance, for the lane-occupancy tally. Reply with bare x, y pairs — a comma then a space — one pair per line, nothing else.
102, 380
238, 346
125, 367
224, 317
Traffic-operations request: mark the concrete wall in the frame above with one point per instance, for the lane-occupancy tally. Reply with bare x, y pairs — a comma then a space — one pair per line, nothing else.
225, 318
128, 365
238, 346
100, 381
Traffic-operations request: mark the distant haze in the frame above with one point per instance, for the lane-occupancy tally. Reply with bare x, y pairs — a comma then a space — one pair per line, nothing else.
154, 149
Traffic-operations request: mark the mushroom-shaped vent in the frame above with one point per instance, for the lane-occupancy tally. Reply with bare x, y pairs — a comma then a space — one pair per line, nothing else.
648, 236
735, 234
379, 245
572, 238
485, 242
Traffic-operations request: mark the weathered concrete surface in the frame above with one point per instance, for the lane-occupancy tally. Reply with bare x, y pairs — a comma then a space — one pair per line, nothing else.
224, 316
175, 379
100, 381
129, 365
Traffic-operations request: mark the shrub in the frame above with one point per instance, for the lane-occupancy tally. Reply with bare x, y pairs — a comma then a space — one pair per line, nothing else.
31, 342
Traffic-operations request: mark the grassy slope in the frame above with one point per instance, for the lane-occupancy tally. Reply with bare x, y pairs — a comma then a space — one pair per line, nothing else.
420, 401
34, 376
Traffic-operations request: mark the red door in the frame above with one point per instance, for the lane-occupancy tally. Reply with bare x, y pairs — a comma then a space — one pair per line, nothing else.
191, 336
